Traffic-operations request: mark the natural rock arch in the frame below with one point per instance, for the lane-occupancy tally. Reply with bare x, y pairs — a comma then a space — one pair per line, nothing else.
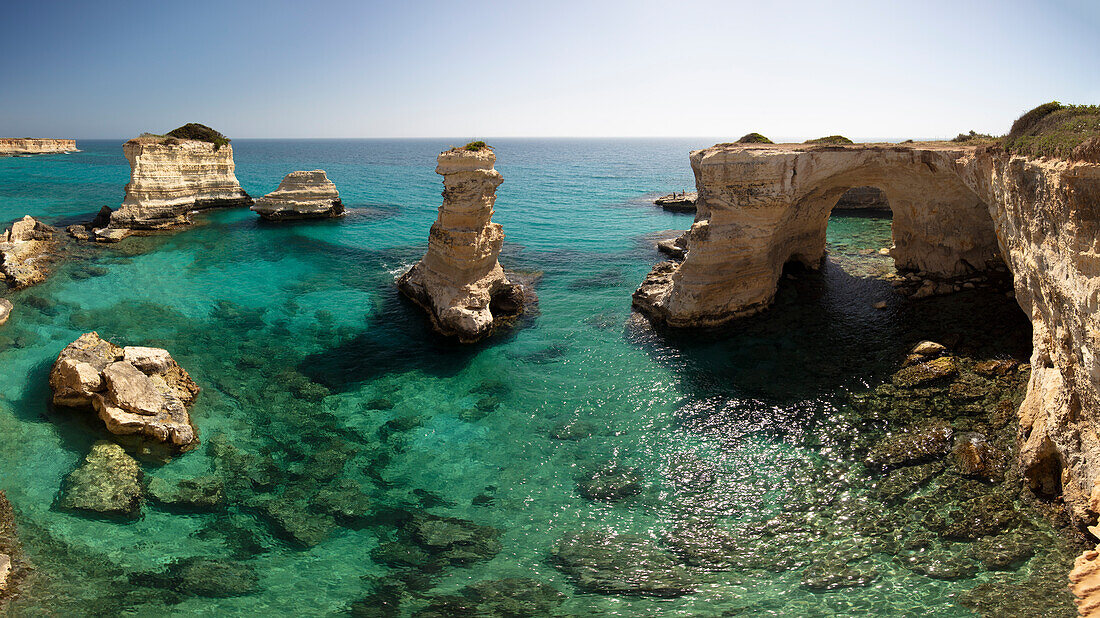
761, 207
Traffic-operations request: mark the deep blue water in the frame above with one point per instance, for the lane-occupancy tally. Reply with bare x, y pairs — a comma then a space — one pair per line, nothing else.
305, 352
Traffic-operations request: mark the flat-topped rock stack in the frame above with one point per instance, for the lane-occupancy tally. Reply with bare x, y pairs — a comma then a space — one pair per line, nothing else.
459, 282
678, 202
21, 146
301, 195
171, 177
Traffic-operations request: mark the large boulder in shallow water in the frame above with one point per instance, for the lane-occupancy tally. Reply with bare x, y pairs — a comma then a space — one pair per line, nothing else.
301, 195
25, 251
108, 483
630, 564
5, 310
135, 390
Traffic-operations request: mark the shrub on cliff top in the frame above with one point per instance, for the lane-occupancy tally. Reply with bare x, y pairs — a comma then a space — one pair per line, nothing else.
1057, 130
830, 139
973, 136
475, 146
754, 138
200, 132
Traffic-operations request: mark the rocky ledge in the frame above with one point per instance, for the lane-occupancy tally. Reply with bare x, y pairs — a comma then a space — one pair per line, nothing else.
459, 282
170, 178
136, 391
301, 195
26, 250
20, 146
678, 202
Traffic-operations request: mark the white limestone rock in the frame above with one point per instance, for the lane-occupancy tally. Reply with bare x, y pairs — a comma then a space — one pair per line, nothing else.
301, 195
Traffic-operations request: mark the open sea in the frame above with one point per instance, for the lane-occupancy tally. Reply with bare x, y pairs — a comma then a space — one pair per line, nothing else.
372, 468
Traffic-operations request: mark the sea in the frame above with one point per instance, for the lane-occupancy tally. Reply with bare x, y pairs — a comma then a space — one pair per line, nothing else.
368, 466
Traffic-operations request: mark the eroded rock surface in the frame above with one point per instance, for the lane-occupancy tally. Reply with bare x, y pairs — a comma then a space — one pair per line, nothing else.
301, 195
171, 178
459, 281
135, 390
26, 252
18, 146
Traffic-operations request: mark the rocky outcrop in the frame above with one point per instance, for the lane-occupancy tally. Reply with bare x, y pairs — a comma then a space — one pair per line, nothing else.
956, 209
136, 391
12, 563
1047, 218
26, 250
170, 178
678, 202
301, 195
1084, 582
761, 206
19, 146
459, 282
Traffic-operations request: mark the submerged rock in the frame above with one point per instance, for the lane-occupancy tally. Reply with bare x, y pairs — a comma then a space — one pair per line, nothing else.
974, 457
926, 373
212, 577
293, 521
457, 540
610, 483
513, 597
5, 310
148, 399
108, 483
301, 195
201, 493
915, 444
628, 564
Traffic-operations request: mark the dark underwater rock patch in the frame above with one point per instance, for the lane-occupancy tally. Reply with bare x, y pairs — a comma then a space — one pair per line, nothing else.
626, 564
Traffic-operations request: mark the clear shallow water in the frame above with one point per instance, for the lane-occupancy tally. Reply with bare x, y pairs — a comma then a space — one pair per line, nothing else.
308, 356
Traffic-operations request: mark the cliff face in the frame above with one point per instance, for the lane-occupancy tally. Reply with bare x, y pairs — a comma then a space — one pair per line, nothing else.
13, 146
301, 195
1047, 217
459, 280
168, 181
760, 207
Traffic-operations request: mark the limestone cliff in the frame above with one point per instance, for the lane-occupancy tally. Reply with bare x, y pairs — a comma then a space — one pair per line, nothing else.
1046, 214
301, 195
170, 178
761, 206
459, 281
16, 146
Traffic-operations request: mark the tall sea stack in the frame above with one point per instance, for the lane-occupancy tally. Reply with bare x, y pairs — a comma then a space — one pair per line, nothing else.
459, 281
189, 169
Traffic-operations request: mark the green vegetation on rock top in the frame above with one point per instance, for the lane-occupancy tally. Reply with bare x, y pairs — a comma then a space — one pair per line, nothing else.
200, 132
830, 139
754, 138
475, 146
1057, 130
974, 137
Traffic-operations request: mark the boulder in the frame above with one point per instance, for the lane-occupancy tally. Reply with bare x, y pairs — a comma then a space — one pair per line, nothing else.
148, 400
203, 493
5, 310
108, 483
610, 483
212, 577
301, 195
912, 445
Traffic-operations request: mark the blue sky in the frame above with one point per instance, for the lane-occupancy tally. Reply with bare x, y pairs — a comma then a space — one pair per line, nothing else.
494, 69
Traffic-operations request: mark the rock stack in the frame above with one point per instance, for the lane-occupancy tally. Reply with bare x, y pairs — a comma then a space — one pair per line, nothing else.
172, 177
459, 282
301, 195
23, 146
135, 390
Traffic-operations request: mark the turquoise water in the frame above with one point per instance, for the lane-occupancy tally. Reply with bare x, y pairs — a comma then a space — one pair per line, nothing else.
320, 376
